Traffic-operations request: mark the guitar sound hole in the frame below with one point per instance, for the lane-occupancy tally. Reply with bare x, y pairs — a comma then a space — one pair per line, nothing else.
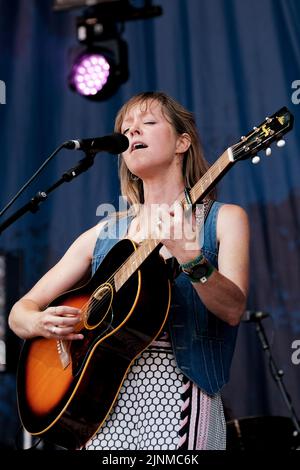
99, 309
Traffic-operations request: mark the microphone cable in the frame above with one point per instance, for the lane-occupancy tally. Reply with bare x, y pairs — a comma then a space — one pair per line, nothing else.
9, 204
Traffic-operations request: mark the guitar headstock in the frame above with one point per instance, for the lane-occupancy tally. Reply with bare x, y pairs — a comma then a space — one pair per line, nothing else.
261, 137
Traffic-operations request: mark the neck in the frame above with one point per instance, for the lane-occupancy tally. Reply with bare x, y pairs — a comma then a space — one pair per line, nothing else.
160, 191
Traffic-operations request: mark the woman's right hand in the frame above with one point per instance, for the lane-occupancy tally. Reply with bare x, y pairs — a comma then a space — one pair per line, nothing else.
60, 323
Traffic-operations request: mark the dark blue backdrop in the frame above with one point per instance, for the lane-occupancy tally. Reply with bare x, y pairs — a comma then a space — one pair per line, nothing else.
231, 62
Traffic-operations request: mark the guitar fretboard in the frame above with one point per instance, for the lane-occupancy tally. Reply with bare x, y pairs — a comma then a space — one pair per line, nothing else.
198, 192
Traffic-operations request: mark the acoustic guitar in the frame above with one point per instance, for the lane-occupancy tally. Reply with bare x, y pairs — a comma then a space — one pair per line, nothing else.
66, 389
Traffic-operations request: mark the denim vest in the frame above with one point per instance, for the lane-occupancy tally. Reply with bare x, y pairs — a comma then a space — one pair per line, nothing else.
203, 344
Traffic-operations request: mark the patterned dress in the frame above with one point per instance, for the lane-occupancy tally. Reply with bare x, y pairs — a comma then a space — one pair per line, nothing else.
158, 408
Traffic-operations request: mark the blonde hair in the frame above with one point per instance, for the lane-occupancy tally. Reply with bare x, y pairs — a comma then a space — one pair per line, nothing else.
194, 164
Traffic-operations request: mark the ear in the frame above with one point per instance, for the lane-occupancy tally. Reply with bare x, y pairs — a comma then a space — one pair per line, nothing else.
183, 143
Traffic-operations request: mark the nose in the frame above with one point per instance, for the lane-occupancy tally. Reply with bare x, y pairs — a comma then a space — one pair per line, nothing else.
134, 129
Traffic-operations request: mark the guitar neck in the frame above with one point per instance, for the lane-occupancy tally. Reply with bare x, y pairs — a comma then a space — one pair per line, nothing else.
197, 193
210, 178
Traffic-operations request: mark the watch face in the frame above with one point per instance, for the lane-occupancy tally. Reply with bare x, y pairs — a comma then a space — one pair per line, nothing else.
199, 271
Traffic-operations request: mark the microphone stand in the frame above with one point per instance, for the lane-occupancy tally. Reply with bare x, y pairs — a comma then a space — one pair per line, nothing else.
41, 196
277, 375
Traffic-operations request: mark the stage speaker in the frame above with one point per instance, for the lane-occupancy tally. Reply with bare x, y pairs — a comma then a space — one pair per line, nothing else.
10, 276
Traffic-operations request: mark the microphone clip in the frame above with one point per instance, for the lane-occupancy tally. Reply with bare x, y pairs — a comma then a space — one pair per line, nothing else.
83, 165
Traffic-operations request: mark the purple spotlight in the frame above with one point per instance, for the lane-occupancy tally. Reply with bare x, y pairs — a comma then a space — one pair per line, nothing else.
90, 73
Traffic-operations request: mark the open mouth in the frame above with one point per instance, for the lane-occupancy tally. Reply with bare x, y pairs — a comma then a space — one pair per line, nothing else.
138, 146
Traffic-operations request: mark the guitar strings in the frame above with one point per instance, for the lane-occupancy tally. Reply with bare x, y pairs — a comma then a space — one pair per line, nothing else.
214, 171
91, 303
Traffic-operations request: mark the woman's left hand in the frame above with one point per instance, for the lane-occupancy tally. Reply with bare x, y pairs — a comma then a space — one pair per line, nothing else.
179, 231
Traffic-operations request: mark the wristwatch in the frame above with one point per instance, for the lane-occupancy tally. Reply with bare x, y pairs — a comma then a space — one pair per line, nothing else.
200, 272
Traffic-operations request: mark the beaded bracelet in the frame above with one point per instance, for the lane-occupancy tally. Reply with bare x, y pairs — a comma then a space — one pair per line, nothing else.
193, 262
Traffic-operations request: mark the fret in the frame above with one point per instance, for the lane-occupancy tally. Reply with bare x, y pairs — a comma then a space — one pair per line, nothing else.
220, 168
140, 255
279, 124
209, 177
146, 248
135, 260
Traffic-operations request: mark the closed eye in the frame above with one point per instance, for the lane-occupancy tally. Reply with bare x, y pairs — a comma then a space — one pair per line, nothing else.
146, 122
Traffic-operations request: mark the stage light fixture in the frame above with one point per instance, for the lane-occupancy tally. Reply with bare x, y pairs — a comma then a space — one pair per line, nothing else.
100, 65
90, 73
98, 70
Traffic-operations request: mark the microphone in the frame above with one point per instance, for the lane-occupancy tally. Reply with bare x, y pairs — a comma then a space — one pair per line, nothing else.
114, 143
254, 316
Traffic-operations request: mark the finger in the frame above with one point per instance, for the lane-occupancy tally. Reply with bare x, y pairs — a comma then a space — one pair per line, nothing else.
73, 336
59, 333
63, 322
62, 331
177, 211
64, 310
157, 224
164, 222
178, 220
164, 213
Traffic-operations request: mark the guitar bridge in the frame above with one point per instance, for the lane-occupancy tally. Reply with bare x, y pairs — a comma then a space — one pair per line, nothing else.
63, 352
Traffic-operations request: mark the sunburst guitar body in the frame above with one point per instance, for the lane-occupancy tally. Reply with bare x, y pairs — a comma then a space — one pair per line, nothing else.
66, 389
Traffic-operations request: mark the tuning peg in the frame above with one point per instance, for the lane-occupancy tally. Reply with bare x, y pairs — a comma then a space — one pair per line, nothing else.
255, 160
280, 143
268, 151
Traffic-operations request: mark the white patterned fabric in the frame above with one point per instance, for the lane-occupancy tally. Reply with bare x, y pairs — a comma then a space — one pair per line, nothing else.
159, 409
